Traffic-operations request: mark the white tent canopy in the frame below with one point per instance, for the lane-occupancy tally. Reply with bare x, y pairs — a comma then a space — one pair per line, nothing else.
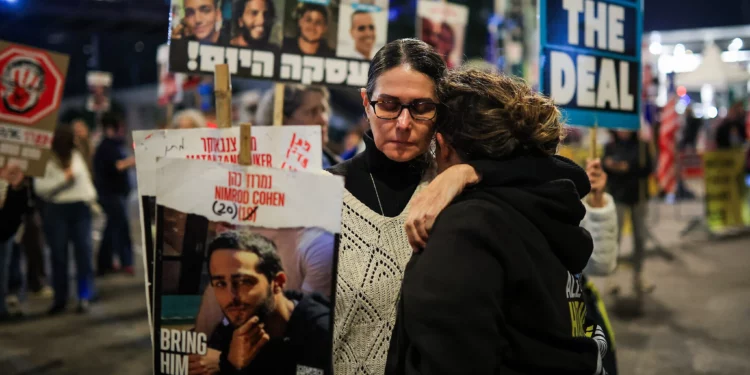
713, 71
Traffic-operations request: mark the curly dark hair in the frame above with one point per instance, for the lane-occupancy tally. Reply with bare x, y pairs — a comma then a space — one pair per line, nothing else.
492, 116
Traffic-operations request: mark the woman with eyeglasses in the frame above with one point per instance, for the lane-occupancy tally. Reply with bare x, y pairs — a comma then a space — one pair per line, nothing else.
401, 106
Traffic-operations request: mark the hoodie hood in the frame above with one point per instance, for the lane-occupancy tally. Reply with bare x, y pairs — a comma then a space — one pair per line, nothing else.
547, 190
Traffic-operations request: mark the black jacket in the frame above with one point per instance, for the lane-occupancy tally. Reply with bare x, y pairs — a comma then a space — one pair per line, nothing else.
15, 206
494, 291
628, 187
307, 341
108, 180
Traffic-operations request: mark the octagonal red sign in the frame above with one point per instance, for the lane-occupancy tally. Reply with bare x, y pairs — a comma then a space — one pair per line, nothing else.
31, 86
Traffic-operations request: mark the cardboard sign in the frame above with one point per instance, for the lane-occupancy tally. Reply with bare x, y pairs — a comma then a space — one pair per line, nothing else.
590, 61
31, 90
727, 204
287, 147
285, 41
236, 244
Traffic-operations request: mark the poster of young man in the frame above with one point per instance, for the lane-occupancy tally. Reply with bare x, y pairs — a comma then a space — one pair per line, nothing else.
30, 93
257, 24
443, 26
310, 28
363, 30
289, 148
235, 249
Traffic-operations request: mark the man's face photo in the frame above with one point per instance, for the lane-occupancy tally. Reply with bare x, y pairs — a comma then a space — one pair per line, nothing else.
201, 16
363, 33
241, 291
312, 25
256, 19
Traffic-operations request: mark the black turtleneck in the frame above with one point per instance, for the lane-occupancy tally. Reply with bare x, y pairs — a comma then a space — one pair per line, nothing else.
395, 181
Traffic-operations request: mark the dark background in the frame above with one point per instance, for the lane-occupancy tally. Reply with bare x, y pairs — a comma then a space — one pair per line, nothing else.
121, 36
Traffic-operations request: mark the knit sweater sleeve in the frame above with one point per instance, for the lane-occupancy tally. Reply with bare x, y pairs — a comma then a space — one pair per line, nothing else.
601, 222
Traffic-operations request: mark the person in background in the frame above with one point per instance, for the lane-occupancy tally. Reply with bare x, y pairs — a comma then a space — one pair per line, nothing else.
111, 167
731, 131
303, 105
13, 205
189, 119
29, 241
83, 142
628, 164
68, 191
601, 222
312, 25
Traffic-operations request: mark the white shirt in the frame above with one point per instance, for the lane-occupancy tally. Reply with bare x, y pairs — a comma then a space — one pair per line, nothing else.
81, 190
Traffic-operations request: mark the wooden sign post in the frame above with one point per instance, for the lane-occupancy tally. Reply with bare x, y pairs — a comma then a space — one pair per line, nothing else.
278, 104
223, 93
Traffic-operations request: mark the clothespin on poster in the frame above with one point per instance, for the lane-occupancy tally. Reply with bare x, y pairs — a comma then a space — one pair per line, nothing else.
246, 139
223, 93
278, 104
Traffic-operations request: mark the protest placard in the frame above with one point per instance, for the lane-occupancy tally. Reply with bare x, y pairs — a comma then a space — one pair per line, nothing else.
292, 41
288, 147
590, 60
244, 253
31, 90
443, 26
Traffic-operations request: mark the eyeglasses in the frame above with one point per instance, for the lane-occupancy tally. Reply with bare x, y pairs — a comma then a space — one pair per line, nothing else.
391, 110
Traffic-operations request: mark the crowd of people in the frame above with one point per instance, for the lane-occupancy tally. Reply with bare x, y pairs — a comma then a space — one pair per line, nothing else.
57, 211
489, 235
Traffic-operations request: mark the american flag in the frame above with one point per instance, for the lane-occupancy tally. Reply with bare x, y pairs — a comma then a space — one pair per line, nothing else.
665, 170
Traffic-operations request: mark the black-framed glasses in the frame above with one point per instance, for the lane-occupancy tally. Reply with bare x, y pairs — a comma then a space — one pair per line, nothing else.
391, 109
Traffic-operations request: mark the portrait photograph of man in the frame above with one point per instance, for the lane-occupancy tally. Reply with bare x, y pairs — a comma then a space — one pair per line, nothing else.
262, 298
310, 29
362, 30
256, 24
199, 20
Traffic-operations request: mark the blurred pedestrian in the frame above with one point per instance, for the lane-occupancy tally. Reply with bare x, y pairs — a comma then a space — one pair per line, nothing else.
111, 166
628, 164
68, 192
189, 119
13, 190
601, 222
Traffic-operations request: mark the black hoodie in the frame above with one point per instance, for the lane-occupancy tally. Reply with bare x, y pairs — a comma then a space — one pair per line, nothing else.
306, 345
494, 291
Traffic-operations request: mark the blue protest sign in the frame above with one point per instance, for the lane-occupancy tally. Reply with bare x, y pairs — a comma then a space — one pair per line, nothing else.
590, 61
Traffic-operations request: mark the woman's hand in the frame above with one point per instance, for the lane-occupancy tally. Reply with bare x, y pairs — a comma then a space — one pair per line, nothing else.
428, 203
13, 175
598, 180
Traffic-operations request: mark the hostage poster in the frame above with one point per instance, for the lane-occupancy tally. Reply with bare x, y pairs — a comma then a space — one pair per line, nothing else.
244, 268
295, 41
288, 147
443, 26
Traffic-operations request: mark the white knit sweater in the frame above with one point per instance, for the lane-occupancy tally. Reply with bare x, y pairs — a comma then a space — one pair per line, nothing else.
373, 253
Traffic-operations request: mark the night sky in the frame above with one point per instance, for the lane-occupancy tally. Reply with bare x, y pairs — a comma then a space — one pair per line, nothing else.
685, 14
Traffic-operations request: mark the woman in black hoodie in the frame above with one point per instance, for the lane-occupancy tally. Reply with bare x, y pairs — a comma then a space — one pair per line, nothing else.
496, 290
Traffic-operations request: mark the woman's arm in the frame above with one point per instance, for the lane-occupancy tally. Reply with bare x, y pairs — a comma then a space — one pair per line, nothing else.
426, 205
452, 298
601, 222
54, 178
